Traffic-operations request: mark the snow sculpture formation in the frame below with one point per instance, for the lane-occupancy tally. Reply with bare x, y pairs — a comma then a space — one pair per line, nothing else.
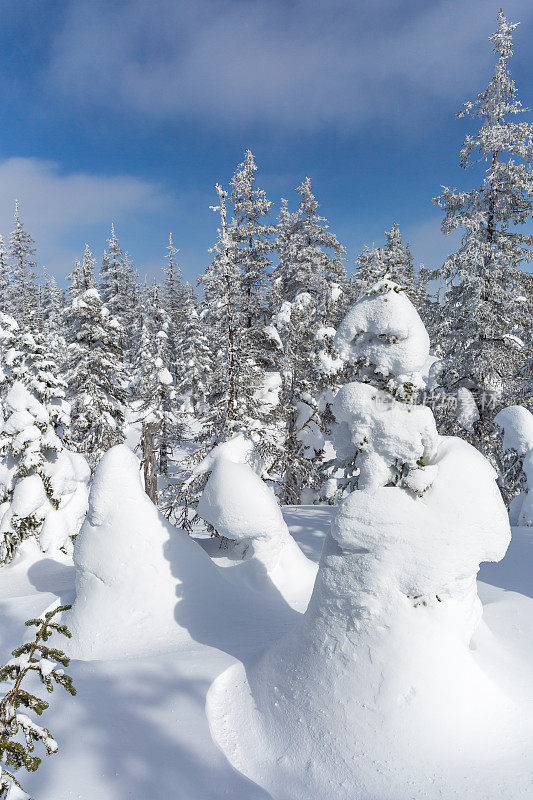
375, 693
517, 425
240, 506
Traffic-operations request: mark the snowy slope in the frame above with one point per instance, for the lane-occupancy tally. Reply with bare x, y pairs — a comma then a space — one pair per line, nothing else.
137, 729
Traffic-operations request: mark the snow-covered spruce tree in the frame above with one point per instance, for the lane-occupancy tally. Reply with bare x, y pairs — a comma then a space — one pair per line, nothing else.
95, 376
31, 360
23, 284
195, 359
118, 290
309, 286
394, 260
174, 297
370, 270
43, 485
516, 423
236, 383
28, 448
18, 732
51, 304
82, 277
476, 326
251, 245
153, 390
5, 279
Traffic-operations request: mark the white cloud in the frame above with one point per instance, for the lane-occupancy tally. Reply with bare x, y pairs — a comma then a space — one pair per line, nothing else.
302, 64
58, 207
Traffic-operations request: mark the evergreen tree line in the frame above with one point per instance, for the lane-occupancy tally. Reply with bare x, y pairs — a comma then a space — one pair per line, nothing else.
251, 349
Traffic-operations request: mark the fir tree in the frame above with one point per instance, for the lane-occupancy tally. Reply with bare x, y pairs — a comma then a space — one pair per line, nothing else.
5, 279
18, 732
195, 356
82, 277
394, 260
28, 447
153, 390
251, 237
309, 289
95, 376
23, 294
475, 327
118, 289
174, 295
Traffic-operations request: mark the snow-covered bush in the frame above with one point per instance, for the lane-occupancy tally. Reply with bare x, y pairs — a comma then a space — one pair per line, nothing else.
375, 690
43, 485
516, 423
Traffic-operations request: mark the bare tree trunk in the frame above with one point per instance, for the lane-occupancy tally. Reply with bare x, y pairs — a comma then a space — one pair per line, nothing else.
149, 431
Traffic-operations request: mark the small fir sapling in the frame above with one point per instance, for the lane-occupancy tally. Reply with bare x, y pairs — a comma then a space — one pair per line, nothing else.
18, 732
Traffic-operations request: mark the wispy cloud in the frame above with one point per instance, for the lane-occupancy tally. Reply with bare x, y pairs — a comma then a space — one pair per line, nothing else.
61, 209
302, 64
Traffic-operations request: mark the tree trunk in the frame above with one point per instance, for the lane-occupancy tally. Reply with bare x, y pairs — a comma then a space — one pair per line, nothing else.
149, 431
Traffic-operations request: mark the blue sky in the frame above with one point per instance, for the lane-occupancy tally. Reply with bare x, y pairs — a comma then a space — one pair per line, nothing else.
130, 111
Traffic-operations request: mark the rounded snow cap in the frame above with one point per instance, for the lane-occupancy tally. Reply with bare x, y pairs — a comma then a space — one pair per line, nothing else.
117, 474
384, 329
517, 425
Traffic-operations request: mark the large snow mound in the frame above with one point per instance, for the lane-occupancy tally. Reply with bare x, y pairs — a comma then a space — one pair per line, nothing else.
376, 693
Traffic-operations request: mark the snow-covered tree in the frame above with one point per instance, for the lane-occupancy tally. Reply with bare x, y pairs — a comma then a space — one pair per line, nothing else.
394, 260
82, 277
23, 294
5, 279
51, 304
475, 327
174, 296
31, 359
236, 382
385, 343
237, 376
516, 423
195, 358
95, 376
18, 732
308, 295
118, 289
153, 390
251, 239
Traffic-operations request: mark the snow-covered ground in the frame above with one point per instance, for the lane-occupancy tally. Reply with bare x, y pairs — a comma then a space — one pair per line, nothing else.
137, 729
